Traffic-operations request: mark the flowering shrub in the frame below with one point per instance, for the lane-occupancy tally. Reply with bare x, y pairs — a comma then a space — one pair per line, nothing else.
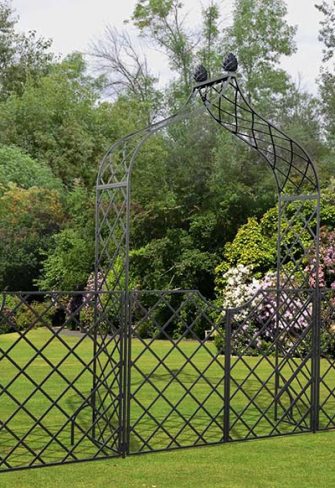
87, 311
327, 261
326, 275
269, 314
105, 304
239, 287
253, 246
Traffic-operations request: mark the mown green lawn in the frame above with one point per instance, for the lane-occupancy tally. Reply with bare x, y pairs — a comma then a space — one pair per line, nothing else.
304, 461
188, 411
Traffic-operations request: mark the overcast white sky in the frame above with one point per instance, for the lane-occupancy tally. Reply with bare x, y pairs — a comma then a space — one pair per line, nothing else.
72, 24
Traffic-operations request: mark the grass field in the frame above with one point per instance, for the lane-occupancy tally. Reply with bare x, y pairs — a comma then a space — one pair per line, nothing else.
303, 461
172, 404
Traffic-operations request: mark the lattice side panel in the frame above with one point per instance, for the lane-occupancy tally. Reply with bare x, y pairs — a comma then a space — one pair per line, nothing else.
47, 372
107, 381
111, 238
298, 242
327, 361
270, 366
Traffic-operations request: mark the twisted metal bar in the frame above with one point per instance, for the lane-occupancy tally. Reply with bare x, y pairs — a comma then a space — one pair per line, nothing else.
292, 167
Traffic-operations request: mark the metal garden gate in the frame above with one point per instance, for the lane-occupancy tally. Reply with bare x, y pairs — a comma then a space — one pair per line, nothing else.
96, 374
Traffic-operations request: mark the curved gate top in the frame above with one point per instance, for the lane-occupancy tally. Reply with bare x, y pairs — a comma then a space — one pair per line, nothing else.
222, 99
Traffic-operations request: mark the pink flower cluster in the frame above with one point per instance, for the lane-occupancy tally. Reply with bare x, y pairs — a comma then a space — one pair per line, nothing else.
326, 270
284, 311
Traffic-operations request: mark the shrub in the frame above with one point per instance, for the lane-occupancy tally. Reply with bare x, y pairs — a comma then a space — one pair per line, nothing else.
37, 314
258, 306
8, 304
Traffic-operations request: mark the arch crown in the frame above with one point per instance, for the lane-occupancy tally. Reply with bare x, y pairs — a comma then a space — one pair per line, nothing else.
223, 100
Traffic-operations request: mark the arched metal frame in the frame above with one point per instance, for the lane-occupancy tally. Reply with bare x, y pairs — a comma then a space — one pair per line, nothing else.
298, 222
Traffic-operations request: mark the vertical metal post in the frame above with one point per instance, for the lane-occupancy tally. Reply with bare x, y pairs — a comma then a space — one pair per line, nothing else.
120, 403
123, 376
276, 399
129, 297
315, 389
125, 338
278, 286
96, 315
94, 380
316, 327
226, 413
127, 326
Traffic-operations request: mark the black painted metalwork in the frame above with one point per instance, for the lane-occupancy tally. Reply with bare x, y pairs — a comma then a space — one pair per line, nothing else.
121, 383
230, 63
48, 415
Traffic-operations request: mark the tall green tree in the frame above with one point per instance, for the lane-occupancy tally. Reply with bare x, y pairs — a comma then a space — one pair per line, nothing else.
23, 56
19, 168
327, 81
259, 36
57, 121
209, 54
28, 219
162, 22
69, 258
327, 29
301, 118
126, 71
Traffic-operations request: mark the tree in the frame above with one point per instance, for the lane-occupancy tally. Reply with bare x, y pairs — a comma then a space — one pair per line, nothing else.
327, 31
259, 36
162, 21
28, 219
327, 83
19, 168
69, 262
23, 57
301, 118
193, 186
69, 258
209, 53
58, 121
173, 262
126, 70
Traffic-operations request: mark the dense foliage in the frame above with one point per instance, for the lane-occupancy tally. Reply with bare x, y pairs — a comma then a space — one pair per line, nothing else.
202, 203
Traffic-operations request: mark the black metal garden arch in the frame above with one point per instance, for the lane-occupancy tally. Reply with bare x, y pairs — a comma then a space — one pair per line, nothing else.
294, 400
106, 389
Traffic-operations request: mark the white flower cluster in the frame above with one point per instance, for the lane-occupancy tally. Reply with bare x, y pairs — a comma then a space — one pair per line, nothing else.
240, 288
265, 307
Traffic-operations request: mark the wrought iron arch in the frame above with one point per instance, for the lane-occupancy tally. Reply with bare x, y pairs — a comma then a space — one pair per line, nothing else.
298, 190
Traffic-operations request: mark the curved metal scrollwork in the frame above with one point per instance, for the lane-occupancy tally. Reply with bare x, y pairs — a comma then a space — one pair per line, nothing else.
292, 168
